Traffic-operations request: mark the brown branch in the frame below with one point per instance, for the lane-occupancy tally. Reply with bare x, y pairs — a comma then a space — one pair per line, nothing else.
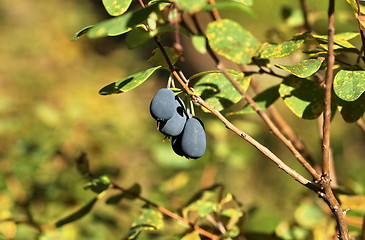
167, 212
303, 6
214, 12
325, 183
261, 113
361, 31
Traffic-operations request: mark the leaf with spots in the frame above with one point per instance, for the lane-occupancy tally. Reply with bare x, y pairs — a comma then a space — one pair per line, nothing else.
230, 40
280, 50
191, 6
303, 97
149, 220
121, 24
349, 85
352, 111
128, 83
218, 91
340, 40
201, 207
116, 7
263, 100
304, 69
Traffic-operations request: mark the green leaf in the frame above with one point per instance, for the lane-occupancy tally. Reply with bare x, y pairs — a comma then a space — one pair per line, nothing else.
353, 4
303, 97
309, 215
341, 39
230, 40
280, 50
228, 6
81, 32
120, 25
304, 69
192, 236
192, 6
245, 2
202, 207
128, 83
264, 99
149, 220
158, 58
99, 184
199, 43
218, 91
352, 111
116, 7
232, 213
137, 37
78, 214
349, 85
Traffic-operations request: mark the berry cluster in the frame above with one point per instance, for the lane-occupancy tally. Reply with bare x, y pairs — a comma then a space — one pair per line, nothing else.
187, 132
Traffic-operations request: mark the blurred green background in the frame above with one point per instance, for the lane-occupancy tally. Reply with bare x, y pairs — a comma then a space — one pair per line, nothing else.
50, 112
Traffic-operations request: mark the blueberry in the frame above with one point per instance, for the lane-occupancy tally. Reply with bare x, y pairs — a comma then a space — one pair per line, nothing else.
175, 125
162, 106
193, 139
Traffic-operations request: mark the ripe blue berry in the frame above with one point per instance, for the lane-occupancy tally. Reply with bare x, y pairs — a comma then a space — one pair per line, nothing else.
193, 139
162, 106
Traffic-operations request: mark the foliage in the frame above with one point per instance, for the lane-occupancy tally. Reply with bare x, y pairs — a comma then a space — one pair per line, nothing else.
40, 195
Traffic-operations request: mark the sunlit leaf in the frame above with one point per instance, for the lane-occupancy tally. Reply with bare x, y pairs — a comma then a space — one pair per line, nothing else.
121, 24
245, 2
349, 85
232, 232
228, 6
309, 215
303, 97
78, 214
280, 50
159, 59
81, 32
230, 40
341, 39
192, 5
304, 69
199, 43
353, 4
192, 236
149, 220
263, 100
288, 231
128, 83
202, 207
116, 7
218, 91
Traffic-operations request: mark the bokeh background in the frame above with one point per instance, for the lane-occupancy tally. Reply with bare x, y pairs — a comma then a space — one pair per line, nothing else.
50, 113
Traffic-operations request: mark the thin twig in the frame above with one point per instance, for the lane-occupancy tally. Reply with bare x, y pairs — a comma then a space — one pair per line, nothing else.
327, 194
361, 31
167, 212
303, 6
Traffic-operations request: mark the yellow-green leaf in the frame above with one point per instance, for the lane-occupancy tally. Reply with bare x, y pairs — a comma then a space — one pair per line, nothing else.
121, 24
303, 97
218, 91
116, 7
149, 220
128, 83
230, 40
280, 50
191, 6
304, 69
349, 85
